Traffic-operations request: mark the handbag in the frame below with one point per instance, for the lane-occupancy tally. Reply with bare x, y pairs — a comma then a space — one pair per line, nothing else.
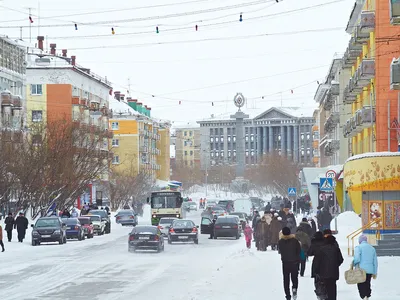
355, 275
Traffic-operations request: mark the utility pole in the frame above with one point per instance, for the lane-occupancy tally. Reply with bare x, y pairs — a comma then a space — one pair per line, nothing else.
30, 23
129, 86
206, 175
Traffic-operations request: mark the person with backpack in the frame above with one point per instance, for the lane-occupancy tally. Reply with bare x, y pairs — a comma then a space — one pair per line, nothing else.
305, 242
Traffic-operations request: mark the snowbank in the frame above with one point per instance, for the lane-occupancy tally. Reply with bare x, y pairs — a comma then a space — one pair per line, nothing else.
347, 223
146, 219
197, 192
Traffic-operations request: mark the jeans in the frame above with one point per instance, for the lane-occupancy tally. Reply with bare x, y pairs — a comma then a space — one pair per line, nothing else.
2, 245
365, 288
331, 289
9, 235
302, 267
290, 272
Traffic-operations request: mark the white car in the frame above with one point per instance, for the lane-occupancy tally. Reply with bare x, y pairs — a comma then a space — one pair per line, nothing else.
99, 226
165, 224
192, 205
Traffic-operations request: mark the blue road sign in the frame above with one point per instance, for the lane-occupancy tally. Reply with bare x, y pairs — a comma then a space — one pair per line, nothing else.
326, 184
291, 191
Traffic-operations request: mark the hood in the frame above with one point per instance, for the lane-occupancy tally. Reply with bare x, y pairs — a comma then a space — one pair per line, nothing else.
286, 237
304, 223
263, 219
330, 240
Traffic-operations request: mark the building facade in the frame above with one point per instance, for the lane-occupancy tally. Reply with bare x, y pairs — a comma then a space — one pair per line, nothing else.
287, 131
333, 112
12, 91
187, 146
140, 143
59, 89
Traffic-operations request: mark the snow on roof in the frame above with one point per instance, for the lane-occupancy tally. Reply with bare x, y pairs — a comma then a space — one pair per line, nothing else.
373, 154
296, 112
172, 151
122, 108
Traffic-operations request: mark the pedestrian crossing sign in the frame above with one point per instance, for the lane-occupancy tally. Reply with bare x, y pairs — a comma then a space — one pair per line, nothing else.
292, 191
326, 184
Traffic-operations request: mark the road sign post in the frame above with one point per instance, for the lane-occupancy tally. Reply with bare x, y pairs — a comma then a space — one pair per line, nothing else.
292, 192
331, 174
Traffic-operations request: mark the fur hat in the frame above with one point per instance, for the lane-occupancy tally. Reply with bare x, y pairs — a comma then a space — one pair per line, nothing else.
276, 215
286, 231
279, 219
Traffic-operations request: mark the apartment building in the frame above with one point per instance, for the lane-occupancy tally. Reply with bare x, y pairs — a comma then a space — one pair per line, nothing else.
140, 143
284, 130
187, 145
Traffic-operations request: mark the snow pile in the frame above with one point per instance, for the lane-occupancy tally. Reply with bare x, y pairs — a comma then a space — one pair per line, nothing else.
347, 223
146, 218
214, 192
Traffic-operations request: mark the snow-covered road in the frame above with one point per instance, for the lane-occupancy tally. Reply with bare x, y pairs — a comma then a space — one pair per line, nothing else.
102, 268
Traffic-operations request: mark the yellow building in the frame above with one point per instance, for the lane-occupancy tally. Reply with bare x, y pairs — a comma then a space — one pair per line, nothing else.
139, 141
187, 145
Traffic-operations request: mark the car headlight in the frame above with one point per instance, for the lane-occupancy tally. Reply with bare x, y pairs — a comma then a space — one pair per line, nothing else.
177, 216
34, 232
57, 231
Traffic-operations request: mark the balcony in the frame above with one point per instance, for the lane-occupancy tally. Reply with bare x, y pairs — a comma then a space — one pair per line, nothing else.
331, 147
365, 117
6, 98
143, 149
17, 102
365, 72
335, 88
353, 51
329, 101
347, 129
348, 98
394, 7
395, 74
367, 25
331, 122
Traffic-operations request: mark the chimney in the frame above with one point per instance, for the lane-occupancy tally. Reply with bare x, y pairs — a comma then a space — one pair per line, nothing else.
53, 49
122, 97
73, 60
131, 100
117, 95
64, 52
128, 99
40, 40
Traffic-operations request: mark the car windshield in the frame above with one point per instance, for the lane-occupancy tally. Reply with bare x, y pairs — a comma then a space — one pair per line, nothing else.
240, 215
183, 224
84, 221
95, 218
71, 221
125, 212
218, 208
101, 213
47, 223
145, 229
192, 203
226, 220
166, 221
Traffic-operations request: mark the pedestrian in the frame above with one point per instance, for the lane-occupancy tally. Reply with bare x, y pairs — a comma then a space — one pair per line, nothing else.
328, 232
306, 227
262, 233
21, 224
212, 227
248, 233
276, 227
291, 222
255, 220
316, 243
305, 242
9, 221
365, 257
325, 219
289, 249
313, 225
327, 265
1, 239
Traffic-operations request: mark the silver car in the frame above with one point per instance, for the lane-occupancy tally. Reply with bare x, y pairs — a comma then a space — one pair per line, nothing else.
193, 205
165, 224
126, 217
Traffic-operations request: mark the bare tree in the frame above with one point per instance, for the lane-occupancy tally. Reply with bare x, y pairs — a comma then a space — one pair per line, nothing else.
189, 175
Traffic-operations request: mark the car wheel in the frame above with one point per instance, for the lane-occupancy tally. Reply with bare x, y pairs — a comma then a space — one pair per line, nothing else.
238, 236
34, 243
79, 238
196, 241
83, 237
158, 249
131, 249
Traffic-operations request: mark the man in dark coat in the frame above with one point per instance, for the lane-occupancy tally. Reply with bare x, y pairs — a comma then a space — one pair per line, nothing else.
275, 227
268, 206
212, 226
313, 225
289, 249
306, 227
316, 243
9, 221
324, 219
327, 265
21, 223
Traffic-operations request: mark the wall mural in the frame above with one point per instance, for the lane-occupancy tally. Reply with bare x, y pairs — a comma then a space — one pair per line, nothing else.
373, 173
57, 77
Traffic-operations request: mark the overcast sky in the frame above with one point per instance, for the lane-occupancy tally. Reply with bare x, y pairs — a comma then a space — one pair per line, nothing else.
275, 49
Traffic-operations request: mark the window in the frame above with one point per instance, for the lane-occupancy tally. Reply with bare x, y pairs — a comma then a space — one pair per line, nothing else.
191, 153
185, 153
36, 89
115, 126
115, 142
185, 133
37, 116
222, 139
221, 131
211, 140
115, 160
216, 139
234, 138
229, 138
308, 136
185, 143
222, 154
190, 133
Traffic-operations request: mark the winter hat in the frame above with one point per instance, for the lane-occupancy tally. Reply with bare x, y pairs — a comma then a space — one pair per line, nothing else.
286, 231
276, 215
279, 219
304, 220
327, 232
362, 238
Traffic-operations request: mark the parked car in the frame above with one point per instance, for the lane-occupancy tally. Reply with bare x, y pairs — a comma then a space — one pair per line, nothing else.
183, 231
145, 237
227, 226
105, 216
218, 211
87, 226
242, 217
165, 224
74, 229
49, 229
211, 202
99, 226
192, 205
126, 217
205, 225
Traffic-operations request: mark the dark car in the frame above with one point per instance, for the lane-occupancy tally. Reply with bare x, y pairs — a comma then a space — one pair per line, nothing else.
47, 230
227, 226
74, 229
88, 226
229, 205
105, 216
205, 226
183, 231
145, 237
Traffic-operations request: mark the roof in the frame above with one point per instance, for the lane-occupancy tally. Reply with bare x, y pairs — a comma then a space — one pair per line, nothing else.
185, 125
295, 112
373, 154
122, 108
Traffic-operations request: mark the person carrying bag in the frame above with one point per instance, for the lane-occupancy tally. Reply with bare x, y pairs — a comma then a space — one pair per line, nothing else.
354, 275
